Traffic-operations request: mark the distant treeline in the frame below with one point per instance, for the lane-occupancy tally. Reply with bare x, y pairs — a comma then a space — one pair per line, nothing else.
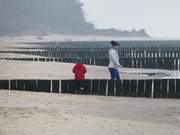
50, 16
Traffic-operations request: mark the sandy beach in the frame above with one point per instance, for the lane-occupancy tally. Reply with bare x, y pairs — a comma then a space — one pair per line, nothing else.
57, 70
27, 113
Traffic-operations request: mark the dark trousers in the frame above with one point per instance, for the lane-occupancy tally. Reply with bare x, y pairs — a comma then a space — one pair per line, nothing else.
79, 86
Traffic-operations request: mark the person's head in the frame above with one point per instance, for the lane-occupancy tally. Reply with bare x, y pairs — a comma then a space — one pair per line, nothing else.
115, 44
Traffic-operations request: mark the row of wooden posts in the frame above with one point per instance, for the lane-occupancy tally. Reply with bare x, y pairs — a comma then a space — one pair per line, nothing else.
159, 88
101, 52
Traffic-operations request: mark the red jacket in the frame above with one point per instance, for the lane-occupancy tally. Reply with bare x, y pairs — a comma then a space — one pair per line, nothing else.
79, 70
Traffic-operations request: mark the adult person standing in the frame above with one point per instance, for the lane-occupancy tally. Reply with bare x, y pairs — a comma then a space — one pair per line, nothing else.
114, 61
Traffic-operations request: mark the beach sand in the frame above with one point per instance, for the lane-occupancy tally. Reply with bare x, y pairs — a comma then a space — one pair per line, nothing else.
28, 113
57, 70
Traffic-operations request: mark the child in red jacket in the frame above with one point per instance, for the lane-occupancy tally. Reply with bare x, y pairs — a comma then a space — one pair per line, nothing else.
79, 71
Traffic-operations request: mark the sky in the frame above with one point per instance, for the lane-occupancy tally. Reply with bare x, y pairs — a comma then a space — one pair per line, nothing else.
160, 18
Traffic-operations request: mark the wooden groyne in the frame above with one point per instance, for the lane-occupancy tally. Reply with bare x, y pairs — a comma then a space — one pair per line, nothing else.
159, 88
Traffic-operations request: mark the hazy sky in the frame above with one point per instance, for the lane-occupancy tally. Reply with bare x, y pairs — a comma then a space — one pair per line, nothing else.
160, 18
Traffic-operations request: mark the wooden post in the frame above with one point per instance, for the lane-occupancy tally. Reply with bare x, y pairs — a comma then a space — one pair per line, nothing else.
51, 87
115, 88
9, 87
60, 91
152, 91
107, 88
